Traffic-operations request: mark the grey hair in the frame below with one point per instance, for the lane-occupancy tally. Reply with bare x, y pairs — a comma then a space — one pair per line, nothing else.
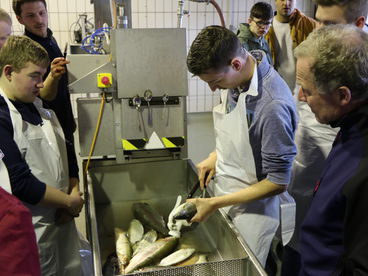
339, 55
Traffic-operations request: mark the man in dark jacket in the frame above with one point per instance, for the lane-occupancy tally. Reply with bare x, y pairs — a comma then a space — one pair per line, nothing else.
331, 70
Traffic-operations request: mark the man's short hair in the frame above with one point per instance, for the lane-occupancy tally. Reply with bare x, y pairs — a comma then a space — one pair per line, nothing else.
339, 55
261, 10
212, 50
352, 8
4, 16
17, 5
19, 50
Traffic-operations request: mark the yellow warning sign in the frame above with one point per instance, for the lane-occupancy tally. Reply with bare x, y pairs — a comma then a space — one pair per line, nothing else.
133, 144
139, 144
173, 142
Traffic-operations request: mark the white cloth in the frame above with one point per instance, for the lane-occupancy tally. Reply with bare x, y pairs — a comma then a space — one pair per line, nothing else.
285, 63
44, 150
256, 221
4, 176
314, 141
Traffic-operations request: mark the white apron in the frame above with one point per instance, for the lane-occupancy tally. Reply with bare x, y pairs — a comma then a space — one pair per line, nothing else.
44, 150
314, 142
256, 221
4, 176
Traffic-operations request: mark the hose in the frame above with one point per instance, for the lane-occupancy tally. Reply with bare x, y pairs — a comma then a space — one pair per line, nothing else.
97, 129
219, 11
217, 7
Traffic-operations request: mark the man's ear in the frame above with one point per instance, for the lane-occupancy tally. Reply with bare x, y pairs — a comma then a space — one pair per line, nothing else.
344, 95
236, 64
7, 70
249, 20
20, 20
360, 22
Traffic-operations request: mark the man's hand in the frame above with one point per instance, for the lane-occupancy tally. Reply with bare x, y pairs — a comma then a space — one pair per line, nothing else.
57, 67
207, 167
75, 203
205, 207
73, 184
62, 216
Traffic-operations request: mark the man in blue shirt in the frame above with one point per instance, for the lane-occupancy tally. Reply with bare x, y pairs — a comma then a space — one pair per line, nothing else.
254, 127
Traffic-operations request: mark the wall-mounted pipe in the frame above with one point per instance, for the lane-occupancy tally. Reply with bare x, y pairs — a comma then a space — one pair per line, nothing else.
180, 12
217, 7
219, 11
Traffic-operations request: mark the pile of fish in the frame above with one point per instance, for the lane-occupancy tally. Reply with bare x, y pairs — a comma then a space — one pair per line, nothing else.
146, 244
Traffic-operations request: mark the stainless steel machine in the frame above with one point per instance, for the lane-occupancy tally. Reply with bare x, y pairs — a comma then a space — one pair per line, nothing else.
140, 153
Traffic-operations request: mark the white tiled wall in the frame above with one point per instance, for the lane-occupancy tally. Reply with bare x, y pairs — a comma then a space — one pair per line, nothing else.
162, 13
158, 14
62, 14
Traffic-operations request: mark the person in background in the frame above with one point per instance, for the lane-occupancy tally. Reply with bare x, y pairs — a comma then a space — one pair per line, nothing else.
5, 26
19, 252
251, 34
55, 94
289, 28
352, 12
313, 139
332, 72
35, 156
254, 128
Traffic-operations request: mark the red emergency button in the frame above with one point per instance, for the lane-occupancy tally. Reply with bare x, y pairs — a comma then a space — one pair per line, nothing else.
105, 80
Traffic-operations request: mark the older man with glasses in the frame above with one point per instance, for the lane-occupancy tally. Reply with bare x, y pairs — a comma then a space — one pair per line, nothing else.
251, 34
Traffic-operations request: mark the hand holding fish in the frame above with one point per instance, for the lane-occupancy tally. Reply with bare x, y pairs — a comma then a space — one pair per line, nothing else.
207, 168
205, 207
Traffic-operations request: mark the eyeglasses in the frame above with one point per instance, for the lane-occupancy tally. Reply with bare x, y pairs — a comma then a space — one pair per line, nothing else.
262, 23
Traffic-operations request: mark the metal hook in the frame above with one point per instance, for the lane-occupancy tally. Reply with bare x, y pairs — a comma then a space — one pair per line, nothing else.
148, 97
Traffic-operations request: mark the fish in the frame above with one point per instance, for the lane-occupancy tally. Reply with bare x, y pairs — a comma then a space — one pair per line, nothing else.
152, 253
177, 257
150, 217
189, 261
151, 268
185, 211
202, 258
123, 248
148, 238
135, 231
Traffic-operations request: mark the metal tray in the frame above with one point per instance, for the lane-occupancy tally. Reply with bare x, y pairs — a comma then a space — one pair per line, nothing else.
112, 189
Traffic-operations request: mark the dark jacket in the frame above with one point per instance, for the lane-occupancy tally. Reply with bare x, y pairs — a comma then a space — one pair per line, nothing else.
61, 105
333, 239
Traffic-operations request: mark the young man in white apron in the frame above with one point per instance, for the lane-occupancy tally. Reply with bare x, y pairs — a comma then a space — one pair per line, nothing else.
35, 155
254, 127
